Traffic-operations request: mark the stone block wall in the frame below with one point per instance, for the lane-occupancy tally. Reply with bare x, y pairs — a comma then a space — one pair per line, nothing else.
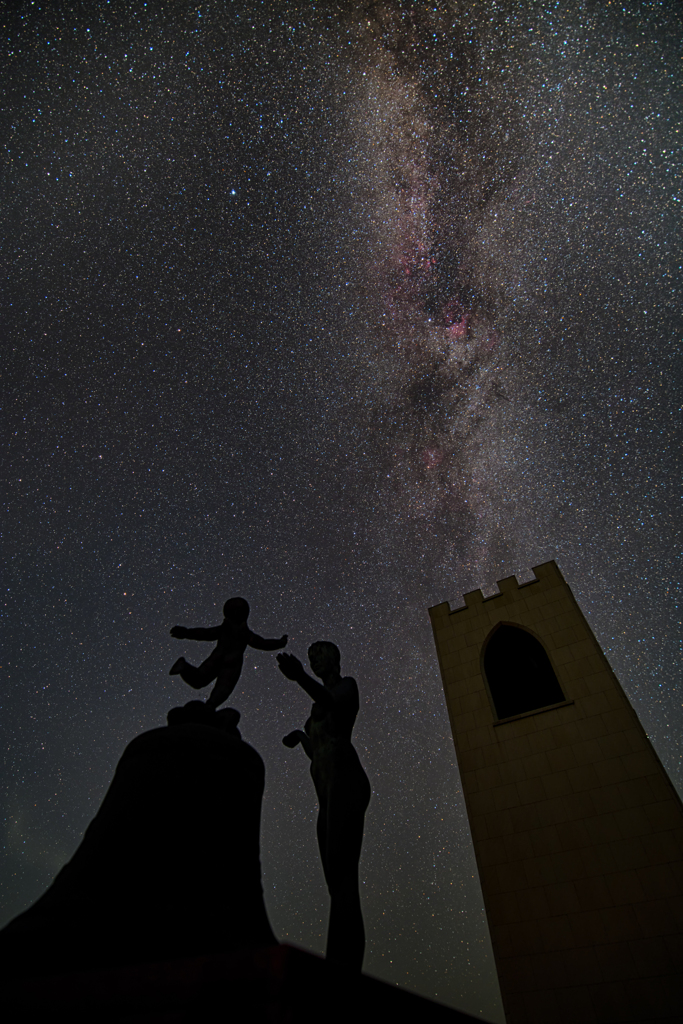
577, 830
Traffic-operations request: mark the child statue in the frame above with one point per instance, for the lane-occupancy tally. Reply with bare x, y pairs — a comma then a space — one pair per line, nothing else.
224, 664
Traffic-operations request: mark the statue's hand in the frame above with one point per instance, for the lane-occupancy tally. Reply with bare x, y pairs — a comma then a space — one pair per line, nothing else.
283, 640
179, 632
290, 666
292, 738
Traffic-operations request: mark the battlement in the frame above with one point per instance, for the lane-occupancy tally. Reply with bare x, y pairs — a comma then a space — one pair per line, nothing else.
547, 572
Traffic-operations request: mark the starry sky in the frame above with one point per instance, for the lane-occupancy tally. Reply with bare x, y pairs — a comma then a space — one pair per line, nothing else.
347, 309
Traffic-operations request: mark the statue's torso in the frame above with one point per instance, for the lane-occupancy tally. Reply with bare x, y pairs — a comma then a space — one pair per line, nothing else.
335, 762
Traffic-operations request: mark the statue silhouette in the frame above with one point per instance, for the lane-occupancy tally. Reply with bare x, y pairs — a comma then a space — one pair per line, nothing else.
343, 792
224, 664
185, 799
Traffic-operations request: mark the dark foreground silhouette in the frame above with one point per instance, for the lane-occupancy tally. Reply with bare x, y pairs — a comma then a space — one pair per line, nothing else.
169, 868
159, 915
224, 664
343, 792
270, 985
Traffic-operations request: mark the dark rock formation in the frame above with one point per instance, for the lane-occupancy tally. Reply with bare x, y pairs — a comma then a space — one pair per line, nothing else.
272, 985
169, 868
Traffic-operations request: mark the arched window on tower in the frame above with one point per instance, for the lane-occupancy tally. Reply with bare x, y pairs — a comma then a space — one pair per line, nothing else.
519, 672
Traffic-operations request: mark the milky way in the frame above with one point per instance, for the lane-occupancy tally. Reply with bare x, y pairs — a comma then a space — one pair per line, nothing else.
348, 309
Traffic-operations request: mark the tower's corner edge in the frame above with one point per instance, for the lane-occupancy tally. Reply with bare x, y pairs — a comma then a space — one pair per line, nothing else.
549, 568
439, 611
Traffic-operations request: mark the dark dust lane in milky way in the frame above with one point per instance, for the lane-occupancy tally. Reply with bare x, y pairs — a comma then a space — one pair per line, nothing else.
348, 309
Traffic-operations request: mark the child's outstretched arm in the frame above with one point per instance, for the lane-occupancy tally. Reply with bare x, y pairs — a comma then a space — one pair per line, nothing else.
261, 644
183, 633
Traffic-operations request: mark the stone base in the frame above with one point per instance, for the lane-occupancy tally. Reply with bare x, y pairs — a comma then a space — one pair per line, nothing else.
270, 985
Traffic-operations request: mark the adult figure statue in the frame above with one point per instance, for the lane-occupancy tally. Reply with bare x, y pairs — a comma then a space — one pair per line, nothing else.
343, 792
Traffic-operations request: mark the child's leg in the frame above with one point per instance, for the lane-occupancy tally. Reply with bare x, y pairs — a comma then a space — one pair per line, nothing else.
226, 682
196, 677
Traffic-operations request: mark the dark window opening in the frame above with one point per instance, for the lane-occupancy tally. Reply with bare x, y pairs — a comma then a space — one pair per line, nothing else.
519, 673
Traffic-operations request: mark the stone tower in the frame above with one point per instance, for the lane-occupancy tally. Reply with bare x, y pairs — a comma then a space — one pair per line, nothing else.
577, 830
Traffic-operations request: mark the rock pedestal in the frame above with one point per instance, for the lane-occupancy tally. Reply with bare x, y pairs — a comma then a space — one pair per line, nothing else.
273, 985
168, 869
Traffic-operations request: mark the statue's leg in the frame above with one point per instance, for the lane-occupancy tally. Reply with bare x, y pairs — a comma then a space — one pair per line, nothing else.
228, 674
344, 839
197, 676
321, 830
194, 676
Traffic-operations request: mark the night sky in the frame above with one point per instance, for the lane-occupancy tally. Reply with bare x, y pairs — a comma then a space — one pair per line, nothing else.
346, 309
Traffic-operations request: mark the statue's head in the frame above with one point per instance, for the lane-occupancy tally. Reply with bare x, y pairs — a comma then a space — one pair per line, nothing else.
236, 610
324, 657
